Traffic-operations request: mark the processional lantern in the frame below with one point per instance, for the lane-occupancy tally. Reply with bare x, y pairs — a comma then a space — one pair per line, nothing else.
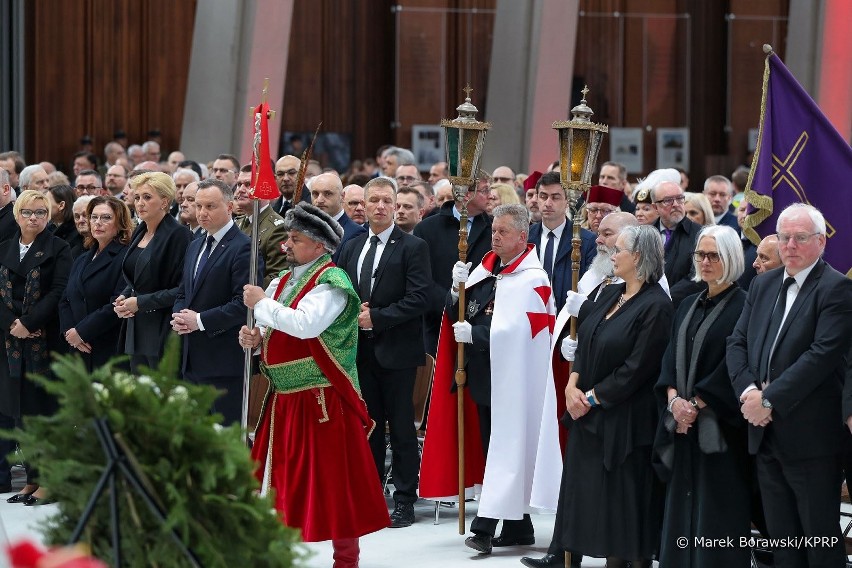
579, 143
465, 139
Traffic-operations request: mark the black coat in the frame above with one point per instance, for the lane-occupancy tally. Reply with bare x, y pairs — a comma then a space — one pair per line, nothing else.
52, 258
217, 294
8, 226
68, 232
398, 297
154, 281
620, 358
441, 233
479, 309
562, 276
679, 265
351, 229
708, 495
808, 364
87, 302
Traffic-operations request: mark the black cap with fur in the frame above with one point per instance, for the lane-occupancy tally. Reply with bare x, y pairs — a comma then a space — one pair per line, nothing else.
315, 223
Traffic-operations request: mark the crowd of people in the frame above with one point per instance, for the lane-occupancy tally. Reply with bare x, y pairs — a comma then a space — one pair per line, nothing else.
703, 395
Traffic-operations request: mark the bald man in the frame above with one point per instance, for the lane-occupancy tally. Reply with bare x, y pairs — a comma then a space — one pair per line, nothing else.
286, 172
768, 255
327, 194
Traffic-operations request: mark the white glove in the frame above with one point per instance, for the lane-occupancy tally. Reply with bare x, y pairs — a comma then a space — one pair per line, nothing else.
463, 332
573, 302
568, 348
460, 273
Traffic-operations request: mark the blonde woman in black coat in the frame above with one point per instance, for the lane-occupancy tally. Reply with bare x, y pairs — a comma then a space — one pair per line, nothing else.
34, 267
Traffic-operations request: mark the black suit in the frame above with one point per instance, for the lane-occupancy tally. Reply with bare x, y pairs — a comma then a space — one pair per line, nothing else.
679, 267
8, 226
441, 233
389, 354
154, 280
561, 281
729, 220
797, 453
749, 254
281, 207
214, 356
351, 229
86, 305
67, 231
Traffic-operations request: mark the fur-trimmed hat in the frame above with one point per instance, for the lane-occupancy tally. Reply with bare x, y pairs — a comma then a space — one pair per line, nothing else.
315, 223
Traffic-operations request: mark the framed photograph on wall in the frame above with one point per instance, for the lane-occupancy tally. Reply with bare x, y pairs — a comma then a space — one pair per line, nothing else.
427, 143
625, 147
673, 148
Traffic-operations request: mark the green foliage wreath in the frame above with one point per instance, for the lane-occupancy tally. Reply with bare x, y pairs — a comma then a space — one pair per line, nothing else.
200, 473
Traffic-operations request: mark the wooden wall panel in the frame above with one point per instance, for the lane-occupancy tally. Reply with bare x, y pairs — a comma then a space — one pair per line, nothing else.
99, 65
343, 66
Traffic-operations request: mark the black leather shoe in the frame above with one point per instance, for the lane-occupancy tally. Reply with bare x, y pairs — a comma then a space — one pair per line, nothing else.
479, 542
546, 561
525, 540
402, 516
19, 497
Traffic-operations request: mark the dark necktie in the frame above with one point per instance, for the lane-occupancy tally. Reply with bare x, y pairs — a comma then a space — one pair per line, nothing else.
775, 322
365, 281
285, 206
548, 255
205, 254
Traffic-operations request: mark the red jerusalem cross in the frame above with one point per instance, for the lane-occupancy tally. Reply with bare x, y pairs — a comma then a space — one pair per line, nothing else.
541, 320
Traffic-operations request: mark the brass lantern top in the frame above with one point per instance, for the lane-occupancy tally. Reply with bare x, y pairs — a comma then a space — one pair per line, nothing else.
465, 138
579, 143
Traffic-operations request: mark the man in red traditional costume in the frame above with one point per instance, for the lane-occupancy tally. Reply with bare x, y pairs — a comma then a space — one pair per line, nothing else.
311, 442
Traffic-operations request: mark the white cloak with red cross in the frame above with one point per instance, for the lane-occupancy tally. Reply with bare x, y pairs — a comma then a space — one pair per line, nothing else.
523, 446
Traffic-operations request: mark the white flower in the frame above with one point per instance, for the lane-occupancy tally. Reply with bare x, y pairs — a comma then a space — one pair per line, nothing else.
179, 394
101, 392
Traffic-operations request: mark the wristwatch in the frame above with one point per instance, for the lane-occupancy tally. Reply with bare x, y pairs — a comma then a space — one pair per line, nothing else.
765, 403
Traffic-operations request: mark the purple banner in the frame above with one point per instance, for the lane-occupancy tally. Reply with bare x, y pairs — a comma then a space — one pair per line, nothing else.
800, 157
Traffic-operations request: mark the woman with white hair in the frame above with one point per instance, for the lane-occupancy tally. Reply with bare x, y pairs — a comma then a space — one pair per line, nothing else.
610, 499
701, 446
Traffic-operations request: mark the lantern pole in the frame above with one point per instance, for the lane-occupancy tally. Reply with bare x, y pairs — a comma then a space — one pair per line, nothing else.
579, 144
463, 164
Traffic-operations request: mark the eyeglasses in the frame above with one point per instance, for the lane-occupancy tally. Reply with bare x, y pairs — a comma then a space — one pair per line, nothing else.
700, 255
800, 238
355, 203
502, 180
106, 218
39, 213
291, 172
221, 170
669, 201
408, 179
598, 211
87, 188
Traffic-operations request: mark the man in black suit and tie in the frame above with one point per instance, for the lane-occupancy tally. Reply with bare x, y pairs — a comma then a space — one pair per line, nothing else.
787, 360
327, 194
441, 233
209, 310
552, 237
390, 270
679, 237
286, 172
